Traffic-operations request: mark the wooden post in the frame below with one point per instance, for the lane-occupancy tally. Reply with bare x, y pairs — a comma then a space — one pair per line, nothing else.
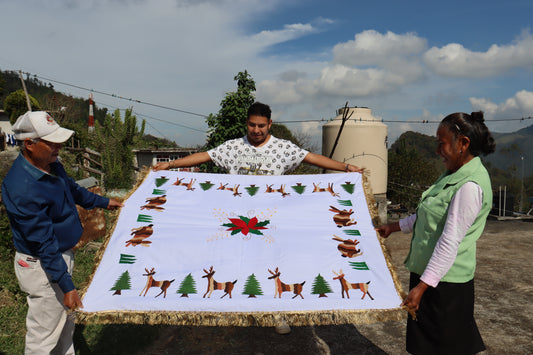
25, 91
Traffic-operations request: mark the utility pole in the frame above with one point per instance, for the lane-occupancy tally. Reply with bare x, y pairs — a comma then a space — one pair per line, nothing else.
522, 187
25, 91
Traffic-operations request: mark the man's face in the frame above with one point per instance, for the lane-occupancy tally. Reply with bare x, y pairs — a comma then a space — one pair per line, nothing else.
43, 153
257, 129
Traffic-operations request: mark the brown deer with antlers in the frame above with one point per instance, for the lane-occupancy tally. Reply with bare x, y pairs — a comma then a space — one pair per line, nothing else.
151, 282
212, 285
342, 218
139, 236
345, 285
179, 182
317, 188
154, 203
281, 190
348, 247
282, 287
234, 189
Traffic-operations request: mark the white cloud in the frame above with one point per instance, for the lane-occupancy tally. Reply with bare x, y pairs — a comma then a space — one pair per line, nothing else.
340, 80
371, 64
376, 49
518, 106
289, 32
457, 61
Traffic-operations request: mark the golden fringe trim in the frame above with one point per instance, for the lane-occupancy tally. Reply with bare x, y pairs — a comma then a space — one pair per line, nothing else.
254, 319
249, 319
373, 210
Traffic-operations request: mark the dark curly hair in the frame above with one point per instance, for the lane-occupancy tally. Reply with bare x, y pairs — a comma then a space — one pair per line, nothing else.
259, 109
471, 126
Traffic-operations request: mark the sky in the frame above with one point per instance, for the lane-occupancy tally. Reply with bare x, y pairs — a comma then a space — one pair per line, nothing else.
173, 61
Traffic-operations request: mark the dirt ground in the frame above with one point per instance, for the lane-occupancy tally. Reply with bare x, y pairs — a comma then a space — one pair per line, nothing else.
504, 310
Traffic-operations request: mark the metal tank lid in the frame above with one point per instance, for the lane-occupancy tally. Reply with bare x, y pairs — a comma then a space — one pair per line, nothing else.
357, 116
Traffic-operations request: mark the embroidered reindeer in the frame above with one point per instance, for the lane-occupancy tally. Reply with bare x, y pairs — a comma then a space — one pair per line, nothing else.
329, 189
234, 189
345, 285
282, 287
342, 218
347, 247
140, 234
155, 203
150, 282
281, 190
179, 182
214, 285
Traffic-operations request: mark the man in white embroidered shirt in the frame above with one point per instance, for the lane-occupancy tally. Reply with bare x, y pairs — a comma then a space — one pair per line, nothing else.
258, 153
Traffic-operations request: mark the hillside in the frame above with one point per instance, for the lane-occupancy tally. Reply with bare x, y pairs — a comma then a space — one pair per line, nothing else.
511, 147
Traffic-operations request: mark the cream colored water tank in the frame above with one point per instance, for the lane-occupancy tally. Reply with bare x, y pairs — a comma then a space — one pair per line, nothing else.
363, 142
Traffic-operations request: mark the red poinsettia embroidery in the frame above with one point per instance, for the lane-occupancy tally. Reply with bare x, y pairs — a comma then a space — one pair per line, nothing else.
246, 225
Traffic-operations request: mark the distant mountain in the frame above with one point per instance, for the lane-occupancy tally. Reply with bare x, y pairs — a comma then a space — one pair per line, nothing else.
511, 147
425, 145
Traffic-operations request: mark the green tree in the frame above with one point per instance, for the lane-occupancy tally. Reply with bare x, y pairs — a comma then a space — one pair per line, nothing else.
123, 283
321, 287
252, 287
188, 285
2, 84
115, 139
15, 105
410, 173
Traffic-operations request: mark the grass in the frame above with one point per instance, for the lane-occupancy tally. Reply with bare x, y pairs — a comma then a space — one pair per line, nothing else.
88, 339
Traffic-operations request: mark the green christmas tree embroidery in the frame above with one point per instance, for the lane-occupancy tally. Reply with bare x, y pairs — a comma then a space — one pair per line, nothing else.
345, 202
252, 189
348, 187
320, 287
123, 283
160, 181
159, 192
126, 259
206, 185
252, 287
352, 232
144, 218
359, 265
188, 285
299, 188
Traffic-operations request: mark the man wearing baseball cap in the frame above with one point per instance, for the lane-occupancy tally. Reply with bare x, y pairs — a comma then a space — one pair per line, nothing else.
41, 205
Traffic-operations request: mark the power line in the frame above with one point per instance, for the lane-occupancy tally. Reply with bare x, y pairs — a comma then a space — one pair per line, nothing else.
406, 121
117, 96
282, 122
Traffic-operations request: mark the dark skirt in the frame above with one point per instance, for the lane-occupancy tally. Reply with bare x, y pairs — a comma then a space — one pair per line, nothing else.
445, 320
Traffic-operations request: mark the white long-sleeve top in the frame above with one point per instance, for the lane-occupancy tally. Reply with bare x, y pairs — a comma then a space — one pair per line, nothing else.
464, 208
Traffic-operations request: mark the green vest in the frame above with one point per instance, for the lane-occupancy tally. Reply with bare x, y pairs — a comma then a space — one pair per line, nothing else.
431, 217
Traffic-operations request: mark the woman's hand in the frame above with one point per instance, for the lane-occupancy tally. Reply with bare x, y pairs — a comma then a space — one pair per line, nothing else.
412, 301
386, 229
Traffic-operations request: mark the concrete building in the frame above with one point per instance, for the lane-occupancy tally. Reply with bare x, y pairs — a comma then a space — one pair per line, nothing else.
149, 157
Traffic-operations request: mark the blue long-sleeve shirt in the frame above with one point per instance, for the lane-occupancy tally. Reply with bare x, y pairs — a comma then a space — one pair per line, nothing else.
42, 211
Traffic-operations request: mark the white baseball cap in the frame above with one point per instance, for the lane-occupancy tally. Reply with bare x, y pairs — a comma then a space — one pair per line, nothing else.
39, 124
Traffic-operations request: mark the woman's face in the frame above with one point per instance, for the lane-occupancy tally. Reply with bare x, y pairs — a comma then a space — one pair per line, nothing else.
449, 149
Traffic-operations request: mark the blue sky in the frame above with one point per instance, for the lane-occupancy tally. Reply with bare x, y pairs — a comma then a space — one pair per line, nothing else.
408, 61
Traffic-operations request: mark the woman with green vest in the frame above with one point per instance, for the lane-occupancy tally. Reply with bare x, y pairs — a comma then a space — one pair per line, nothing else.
448, 221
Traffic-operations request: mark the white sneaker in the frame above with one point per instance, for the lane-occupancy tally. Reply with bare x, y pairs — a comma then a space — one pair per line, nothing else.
283, 328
